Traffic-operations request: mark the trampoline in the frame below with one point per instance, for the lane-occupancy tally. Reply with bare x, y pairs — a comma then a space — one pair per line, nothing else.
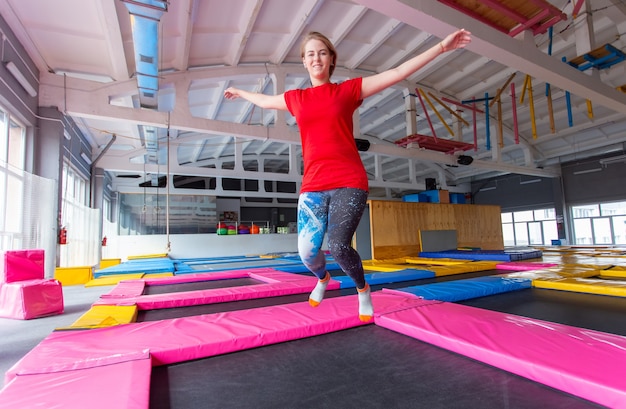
365, 367
199, 285
188, 311
597, 312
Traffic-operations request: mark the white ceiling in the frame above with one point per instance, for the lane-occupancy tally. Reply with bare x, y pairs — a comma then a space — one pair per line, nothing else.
205, 46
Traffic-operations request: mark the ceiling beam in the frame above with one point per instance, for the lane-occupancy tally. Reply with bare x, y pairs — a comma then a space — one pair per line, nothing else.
440, 20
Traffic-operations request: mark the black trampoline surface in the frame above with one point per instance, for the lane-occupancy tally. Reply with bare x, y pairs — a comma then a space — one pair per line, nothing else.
364, 367
597, 312
199, 285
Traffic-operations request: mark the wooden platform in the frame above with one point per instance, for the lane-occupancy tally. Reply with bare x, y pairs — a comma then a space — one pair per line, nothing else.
600, 58
436, 144
511, 16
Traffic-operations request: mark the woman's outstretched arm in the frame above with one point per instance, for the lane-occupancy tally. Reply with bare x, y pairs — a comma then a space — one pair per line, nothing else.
261, 100
378, 82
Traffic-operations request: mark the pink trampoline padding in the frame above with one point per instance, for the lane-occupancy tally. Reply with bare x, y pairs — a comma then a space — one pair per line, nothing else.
121, 385
183, 339
31, 299
523, 266
126, 289
20, 265
585, 363
265, 274
135, 288
276, 283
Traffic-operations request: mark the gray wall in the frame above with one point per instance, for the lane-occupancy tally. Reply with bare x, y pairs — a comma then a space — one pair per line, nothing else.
581, 182
12, 94
518, 192
605, 183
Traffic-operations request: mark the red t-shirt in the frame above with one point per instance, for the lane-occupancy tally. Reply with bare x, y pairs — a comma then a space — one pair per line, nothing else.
324, 117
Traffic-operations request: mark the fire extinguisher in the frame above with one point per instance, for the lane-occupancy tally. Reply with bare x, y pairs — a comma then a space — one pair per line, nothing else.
104, 241
63, 235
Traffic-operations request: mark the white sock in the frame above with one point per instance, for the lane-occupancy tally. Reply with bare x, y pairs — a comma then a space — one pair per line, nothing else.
366, 309
317, 295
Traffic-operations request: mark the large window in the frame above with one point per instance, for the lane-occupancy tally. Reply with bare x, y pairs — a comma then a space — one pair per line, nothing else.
12, 148
529, 227
81, 223
600, 224
148, 214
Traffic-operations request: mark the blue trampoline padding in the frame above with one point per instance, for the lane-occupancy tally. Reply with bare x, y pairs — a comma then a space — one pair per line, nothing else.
407, 274
137, 266
301, 268
491, 255
460, 290
184, 267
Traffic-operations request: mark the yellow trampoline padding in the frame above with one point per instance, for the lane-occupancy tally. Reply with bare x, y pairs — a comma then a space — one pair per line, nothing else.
100, 316
463, 268
571, 271
387, 261
109, 262
160, 255
383, 268
157, 275
617, 268
113, 279
588, 266
614, 272
436, 261
584, 285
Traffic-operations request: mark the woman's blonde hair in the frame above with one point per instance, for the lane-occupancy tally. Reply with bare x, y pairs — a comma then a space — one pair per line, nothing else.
314, 35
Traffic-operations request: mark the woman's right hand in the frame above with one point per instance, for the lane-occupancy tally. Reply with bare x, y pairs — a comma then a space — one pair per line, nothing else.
231, 93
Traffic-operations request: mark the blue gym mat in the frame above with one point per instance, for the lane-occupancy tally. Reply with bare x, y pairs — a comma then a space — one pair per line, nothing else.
460, 290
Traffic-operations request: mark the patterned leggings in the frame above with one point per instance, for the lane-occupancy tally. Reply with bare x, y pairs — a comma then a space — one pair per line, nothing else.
337, 212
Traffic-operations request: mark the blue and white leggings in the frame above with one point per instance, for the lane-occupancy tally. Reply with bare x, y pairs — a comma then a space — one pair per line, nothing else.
336, 212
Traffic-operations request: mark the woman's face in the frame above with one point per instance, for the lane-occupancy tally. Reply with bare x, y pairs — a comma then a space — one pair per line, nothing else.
317, 59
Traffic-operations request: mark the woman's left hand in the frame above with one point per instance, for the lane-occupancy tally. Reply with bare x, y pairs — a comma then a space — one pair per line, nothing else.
456, 40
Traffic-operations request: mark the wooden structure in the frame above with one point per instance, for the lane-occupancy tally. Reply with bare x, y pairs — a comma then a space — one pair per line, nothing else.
600, 58
511, 16
394, 226
435, 144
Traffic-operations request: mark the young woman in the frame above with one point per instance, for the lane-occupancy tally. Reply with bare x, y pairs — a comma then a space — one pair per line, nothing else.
334, 187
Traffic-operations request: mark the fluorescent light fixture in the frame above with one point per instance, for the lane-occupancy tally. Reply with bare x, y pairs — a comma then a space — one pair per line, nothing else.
67, 136
21, 79
85, 76
485, 189
85, 157
525, 182
614, 159
582, 172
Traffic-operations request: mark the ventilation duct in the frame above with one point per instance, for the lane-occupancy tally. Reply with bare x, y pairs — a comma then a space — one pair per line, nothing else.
144, 18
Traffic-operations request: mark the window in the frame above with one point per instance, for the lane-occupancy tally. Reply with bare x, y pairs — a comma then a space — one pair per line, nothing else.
529, 227
12, 141
600, 223
17, 145
75, 187
12, 186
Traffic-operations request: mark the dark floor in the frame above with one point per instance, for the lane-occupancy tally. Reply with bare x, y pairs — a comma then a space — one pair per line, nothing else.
17, 337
